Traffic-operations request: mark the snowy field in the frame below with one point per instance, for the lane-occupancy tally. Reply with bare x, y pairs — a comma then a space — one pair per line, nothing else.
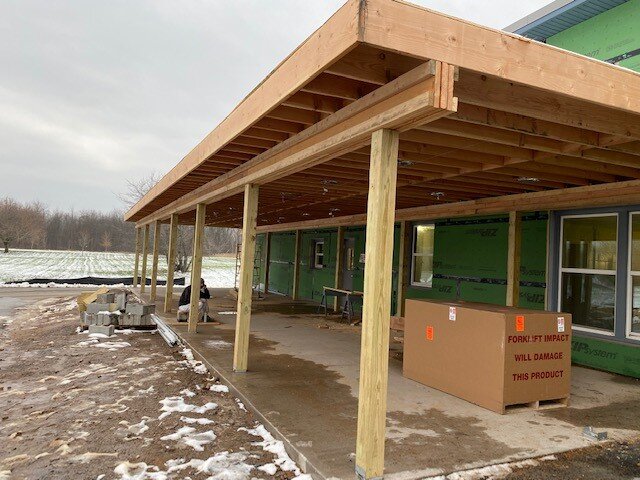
20, 265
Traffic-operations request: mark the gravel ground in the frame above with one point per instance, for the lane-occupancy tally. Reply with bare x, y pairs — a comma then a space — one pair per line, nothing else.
125, 407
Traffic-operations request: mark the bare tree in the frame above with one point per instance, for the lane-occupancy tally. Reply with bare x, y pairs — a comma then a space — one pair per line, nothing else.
84, 239
217, 240
20, 224
105, 242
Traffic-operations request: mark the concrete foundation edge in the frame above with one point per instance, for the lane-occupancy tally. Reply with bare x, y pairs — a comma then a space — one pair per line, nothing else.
296, 455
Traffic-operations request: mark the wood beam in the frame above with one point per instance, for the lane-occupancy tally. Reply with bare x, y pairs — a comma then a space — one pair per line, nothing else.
296, 266
608, 194
196, 268
247, 254
145, 252
421, 95
403, 27
154, 262
171, 262
513, 259
136, 266
374, 352
337, 280
403, 251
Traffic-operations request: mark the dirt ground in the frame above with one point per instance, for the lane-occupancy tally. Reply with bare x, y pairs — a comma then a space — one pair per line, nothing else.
126, 407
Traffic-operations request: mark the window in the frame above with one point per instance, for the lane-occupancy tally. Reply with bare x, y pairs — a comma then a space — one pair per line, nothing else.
422, 256
588, 270
318, 254
633, 322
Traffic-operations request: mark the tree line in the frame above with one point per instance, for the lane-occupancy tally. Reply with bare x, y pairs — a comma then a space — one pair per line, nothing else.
33, 226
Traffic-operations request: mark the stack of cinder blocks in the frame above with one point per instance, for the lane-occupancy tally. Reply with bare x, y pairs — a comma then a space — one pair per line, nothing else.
137, 315
111, 309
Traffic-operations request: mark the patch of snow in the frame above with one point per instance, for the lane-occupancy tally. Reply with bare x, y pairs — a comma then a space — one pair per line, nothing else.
241, 405
196, 365
139, 471
222, 466
111, 346
276, 447
219, 388
199, 421
177, 404
269, 468
227, 313
188, 436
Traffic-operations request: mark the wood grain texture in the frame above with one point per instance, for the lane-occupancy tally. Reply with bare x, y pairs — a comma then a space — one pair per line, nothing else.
374, 352
243, 317
196, 268
145, 253
171, 262
513, 259
154, 261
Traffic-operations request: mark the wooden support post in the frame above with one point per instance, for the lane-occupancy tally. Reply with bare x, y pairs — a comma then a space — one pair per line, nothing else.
266, 256
136, 267
243, 319
374, 351
196, 268
296, 266
154, 263
403, 255
337, 281
513, 259
145, 252
171, 263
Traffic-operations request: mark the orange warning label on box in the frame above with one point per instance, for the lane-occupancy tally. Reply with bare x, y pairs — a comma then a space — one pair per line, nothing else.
429, 332
520, 323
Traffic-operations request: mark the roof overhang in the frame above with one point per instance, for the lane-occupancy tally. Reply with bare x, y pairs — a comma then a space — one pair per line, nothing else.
515, 109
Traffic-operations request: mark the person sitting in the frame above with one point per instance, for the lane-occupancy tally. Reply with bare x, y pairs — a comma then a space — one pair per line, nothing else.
203, 306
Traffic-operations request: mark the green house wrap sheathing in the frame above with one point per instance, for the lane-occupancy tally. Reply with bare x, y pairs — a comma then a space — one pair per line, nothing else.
612, 36
470, 260
281, 260
313, 279
259, 272
606, 355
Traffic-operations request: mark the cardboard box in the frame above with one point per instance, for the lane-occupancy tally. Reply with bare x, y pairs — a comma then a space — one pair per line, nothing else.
489, 355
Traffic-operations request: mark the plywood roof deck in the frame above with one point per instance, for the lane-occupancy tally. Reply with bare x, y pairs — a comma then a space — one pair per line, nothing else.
531, 121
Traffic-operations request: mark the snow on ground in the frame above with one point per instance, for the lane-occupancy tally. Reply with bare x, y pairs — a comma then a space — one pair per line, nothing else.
20, 265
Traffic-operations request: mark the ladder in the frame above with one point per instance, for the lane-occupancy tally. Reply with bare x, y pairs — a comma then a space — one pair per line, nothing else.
257, 269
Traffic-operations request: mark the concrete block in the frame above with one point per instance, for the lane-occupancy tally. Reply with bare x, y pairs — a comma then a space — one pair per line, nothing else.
135, 320
89, 318
97, 307
106, 298
121, 301
107, 319
140, 309
107, 330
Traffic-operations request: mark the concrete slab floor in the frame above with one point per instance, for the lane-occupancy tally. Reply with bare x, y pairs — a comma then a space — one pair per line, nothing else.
304, 380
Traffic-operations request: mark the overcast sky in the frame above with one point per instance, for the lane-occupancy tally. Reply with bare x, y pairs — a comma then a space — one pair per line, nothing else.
95, 92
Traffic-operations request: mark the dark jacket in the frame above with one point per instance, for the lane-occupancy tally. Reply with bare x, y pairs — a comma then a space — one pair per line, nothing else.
185, 298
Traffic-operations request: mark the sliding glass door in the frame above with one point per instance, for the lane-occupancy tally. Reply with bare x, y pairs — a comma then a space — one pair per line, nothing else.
633, 312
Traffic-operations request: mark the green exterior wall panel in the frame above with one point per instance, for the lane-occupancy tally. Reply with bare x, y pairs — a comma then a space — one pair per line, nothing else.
615, 357
281, 260
611, 35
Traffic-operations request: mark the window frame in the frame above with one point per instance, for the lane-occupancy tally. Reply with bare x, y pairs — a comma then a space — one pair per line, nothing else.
630, 274
314, 254
414, 255
588, 271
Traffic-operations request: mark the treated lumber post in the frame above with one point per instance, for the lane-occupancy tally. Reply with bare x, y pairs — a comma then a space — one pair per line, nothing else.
513, 259
374, 351
405, 241
145, 252
267, 257
196, 267
243, 320
154, 264
136, 267
171, 263
296, 266
337, 281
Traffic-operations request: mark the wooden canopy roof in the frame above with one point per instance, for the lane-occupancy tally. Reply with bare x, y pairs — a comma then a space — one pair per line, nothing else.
489, 122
